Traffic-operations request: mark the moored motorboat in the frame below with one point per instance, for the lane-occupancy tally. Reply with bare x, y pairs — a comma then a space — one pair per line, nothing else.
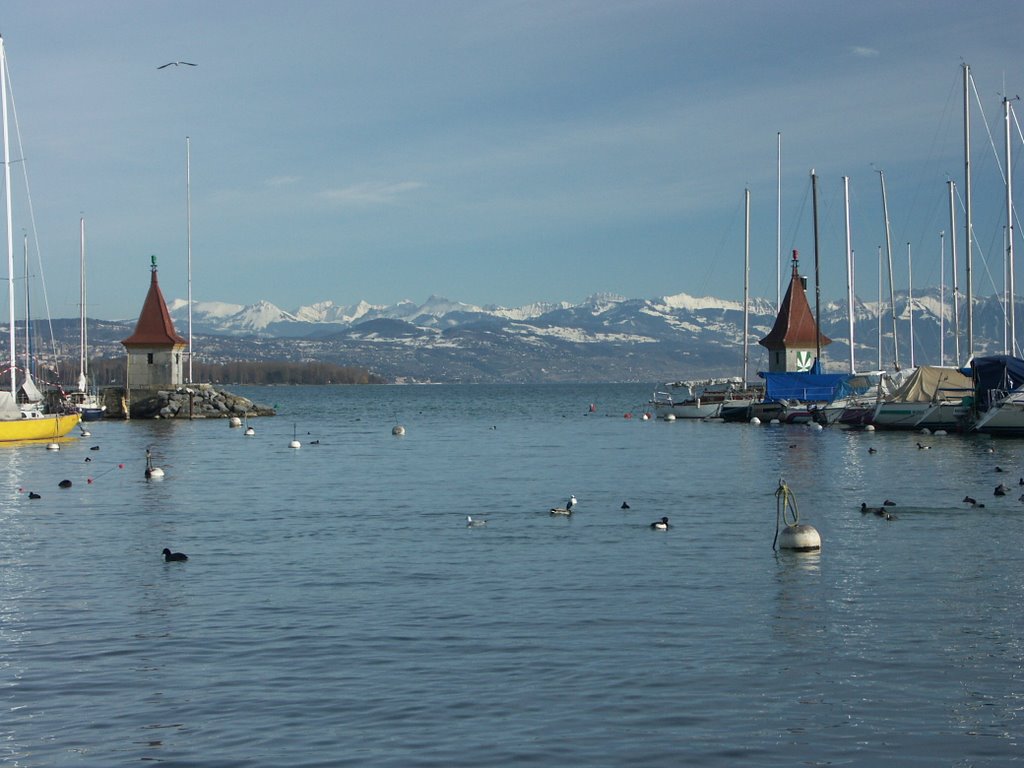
704, 400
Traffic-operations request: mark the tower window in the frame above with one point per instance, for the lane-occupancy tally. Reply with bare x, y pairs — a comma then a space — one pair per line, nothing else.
149, 358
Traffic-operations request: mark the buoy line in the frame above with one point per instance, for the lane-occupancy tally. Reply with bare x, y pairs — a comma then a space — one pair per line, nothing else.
794, 536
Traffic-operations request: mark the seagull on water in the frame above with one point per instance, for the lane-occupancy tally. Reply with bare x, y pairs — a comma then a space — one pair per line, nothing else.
177, 63
471, 523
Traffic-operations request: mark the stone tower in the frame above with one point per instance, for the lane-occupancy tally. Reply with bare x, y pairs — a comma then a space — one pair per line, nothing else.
154, 349
792, 343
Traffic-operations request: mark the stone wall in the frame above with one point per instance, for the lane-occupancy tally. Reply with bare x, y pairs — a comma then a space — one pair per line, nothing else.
197, 401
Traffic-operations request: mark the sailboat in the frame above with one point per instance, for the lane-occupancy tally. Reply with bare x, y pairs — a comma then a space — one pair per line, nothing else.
706, 399
999, 379
86, 402
796, 387
29, 397
16, 423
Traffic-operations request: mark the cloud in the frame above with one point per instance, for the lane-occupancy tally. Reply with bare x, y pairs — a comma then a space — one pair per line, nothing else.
281, 181
370, 193
863, 51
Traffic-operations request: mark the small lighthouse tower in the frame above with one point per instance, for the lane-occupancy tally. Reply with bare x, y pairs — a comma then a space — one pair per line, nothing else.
793, 341
154, 349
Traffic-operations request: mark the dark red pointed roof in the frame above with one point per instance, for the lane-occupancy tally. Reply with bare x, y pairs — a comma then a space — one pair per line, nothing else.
794, 325
154, 328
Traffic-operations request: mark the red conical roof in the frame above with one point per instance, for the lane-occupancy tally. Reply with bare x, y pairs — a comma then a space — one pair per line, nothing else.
154, 328
794, 326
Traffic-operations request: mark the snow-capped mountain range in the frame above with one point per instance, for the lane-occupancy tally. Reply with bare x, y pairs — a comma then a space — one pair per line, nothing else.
265, 318
603, 338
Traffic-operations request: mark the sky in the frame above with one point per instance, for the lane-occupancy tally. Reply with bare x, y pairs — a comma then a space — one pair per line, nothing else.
498, 152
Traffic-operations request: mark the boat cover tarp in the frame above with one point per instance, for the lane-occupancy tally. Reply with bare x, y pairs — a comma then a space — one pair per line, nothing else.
996, 372
807, 387
931, 384
856, 384
30, 391
8, 408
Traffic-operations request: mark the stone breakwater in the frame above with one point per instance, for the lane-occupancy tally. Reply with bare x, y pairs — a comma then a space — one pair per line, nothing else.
198, 401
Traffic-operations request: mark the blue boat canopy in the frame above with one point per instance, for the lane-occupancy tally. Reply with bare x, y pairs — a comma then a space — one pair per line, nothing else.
807, 387
995, 374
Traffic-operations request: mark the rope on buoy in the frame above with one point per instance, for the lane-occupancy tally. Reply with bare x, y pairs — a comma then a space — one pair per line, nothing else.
784, 501
794, 536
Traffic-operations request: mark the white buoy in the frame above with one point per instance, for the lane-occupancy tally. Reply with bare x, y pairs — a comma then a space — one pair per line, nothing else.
793, 535
800, 538
869, 428
53, 447
816, 426
940, 432
925, 431
670, 417
755, 421
398, 430
295, 440
774, 422
646, 416
86, 433
234, 421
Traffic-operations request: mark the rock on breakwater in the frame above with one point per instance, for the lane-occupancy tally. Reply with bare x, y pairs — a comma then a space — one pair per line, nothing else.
197, 401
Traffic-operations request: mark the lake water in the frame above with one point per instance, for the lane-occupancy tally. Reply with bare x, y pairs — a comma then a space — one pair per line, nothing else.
335, 609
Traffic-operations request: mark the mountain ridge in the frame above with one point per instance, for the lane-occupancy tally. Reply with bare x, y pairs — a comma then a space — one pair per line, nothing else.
605, 337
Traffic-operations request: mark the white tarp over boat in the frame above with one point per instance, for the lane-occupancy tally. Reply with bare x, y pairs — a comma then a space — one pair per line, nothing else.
932, 384
30, 391
8, 408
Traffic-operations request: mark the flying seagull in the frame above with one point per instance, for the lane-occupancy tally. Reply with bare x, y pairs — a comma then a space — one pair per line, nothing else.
176, 63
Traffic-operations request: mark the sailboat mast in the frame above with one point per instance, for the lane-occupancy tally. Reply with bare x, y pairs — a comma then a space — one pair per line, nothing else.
1008, 110
188, 219
82, 382
1006, 298
778, 226
849, 269
956, 288
817, 281
746, 281
968, 233
28, 312
910, 303
879, 308
892, 291
942, 298
10, 217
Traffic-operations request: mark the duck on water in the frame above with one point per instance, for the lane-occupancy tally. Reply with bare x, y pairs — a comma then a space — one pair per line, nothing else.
567, 509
